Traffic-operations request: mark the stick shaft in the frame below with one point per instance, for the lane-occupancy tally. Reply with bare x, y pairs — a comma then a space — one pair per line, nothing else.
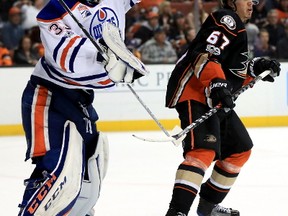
148, 110
64, 5
215, 109
87, 34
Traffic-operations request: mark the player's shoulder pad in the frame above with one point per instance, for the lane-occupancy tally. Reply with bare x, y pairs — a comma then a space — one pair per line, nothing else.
53, 10
228, 20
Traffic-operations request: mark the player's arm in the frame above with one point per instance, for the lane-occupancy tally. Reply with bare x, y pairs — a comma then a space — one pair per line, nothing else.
209, 71
207, 66
65, 49
259, 64
216, 45
122, 65
71, 55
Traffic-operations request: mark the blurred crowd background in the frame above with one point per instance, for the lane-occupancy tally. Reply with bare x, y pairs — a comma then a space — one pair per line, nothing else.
158, 31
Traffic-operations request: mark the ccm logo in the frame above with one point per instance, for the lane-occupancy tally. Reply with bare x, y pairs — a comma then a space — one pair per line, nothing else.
43, 193
55, 194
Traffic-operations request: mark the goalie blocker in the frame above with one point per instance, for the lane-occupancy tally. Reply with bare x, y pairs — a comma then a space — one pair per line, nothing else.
65, 190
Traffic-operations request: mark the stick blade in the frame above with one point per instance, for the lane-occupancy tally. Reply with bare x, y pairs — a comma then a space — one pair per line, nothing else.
147, 139
176, 130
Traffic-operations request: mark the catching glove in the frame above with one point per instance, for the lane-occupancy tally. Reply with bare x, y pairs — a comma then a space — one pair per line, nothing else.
220, 92
118, 71
259, 65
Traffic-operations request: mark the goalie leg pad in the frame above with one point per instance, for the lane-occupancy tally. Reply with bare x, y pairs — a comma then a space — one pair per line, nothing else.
97, 168
60, 189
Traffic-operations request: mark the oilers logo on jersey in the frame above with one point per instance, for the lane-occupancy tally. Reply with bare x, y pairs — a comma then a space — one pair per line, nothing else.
104, 14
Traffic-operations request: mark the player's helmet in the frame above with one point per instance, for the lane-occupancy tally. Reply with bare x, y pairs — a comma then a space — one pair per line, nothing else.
93, 1
90, 2
224, 3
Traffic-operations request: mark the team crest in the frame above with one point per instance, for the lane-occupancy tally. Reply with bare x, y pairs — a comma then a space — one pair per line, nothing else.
241, 70
210, 138
229, 22
104, 14
84, 11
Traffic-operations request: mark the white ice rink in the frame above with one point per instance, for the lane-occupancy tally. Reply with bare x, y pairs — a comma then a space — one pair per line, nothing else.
140, 176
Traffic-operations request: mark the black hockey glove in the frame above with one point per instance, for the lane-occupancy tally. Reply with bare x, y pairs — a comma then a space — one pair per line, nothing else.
259, 65
220, 92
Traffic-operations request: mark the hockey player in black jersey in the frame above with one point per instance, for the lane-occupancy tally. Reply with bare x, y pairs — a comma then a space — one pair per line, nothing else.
215, 65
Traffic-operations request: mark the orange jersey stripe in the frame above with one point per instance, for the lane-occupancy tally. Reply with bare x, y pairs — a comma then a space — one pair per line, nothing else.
105, 82
247, 80
186, 189
65, 52
243, 30
209, 72
190, 121
72, 82
214, 188
222, 26
195, 88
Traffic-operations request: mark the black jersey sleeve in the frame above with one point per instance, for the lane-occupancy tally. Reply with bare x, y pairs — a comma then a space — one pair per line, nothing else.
223, 32
223, 39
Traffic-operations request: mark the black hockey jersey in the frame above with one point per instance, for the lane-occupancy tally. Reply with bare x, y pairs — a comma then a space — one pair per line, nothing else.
220, 50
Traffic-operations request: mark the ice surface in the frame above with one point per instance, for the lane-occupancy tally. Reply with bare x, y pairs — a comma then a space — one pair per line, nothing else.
140, 176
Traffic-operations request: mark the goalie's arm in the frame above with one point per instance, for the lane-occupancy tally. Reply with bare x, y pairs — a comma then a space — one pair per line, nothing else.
118, 71
112, 38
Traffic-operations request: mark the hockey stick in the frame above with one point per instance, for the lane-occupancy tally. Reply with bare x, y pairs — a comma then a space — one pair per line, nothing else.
100, 50
149, 111
176, 142
181, 135
113, 40
64, 5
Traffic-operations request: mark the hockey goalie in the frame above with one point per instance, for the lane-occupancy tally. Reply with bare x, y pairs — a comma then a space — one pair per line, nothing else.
68, 151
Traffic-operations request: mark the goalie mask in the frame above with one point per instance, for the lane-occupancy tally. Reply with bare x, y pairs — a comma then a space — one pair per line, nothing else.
90, 2
225, 4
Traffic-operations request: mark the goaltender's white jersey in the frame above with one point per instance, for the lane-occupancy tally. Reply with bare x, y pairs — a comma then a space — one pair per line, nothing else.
70, 58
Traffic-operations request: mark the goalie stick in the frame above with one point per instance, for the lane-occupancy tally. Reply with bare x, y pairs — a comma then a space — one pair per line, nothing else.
100, 50
181, 135
113, 39
111, 33
176, 129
